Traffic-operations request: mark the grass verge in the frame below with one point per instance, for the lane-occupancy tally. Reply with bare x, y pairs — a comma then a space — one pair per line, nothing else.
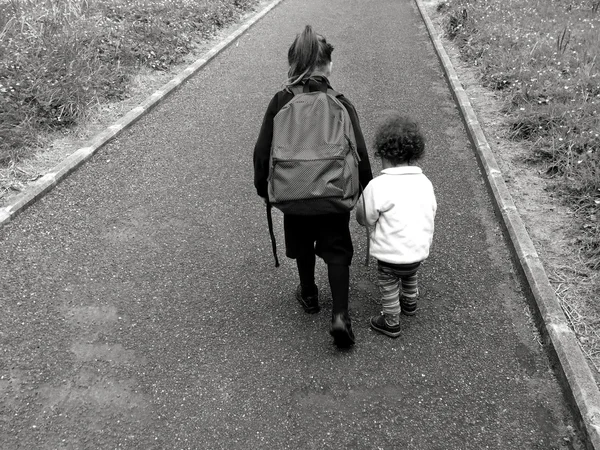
61, 59
542, 57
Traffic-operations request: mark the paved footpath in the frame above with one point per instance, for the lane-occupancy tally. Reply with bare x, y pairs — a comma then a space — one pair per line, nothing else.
140, 308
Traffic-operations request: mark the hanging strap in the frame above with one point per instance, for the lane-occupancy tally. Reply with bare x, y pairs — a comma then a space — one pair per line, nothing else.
367, 232
271, 233
304, 88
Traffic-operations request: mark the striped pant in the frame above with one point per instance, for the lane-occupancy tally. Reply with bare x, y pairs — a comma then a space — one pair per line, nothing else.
395, 281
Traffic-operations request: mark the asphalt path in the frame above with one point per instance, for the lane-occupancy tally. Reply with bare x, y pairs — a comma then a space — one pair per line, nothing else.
141, 309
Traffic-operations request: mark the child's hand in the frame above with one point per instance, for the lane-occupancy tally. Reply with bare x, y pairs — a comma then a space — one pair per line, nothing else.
360, 219
360, 212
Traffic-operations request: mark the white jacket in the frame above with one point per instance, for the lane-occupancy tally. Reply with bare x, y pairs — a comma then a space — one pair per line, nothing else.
400, 204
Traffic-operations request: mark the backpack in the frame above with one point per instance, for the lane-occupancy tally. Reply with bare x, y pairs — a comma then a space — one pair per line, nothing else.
314, 161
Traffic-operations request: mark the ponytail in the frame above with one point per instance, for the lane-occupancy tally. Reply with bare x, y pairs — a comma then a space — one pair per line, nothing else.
308, 52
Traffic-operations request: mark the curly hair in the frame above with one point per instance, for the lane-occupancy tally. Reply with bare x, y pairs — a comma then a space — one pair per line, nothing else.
398, 139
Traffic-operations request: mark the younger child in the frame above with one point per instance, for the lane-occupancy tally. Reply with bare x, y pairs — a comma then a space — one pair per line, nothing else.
400, 204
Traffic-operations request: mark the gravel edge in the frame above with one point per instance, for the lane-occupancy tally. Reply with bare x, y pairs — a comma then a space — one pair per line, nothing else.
572, 368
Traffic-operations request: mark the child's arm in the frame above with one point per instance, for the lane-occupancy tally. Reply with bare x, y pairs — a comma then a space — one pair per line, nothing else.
262, 150
360, 211
366, 212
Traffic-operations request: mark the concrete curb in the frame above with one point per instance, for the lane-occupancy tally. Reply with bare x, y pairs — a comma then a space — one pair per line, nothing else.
573, 368
58, 173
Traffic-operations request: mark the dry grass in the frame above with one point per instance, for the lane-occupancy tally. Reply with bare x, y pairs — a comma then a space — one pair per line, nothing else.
61, 59
539, 59
542, 57
583, 318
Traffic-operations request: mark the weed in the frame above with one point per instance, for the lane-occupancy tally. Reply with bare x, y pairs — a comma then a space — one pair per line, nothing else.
563, 41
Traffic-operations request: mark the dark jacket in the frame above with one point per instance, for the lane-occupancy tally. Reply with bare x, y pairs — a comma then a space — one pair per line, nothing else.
262, 149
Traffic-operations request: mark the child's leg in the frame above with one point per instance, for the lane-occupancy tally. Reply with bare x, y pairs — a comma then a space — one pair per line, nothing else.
306, 272
339, 282
334, 245
307, 293
389, 288
410, 291
388, 322
341, 326
300, 238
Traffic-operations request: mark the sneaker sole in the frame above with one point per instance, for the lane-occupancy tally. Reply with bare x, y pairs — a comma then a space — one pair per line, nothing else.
392, 334
408, 311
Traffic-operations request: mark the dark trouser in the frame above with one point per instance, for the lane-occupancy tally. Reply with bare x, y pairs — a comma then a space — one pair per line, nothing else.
326, 236
339, 281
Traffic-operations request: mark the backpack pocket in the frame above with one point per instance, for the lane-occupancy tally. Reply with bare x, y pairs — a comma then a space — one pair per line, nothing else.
294, 179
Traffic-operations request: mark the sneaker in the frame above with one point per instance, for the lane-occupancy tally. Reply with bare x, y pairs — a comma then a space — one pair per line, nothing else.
378, 323
310, 303
408, 306
341, 330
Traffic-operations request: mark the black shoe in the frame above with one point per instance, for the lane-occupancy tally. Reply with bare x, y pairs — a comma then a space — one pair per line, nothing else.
408, 306
341, 330
310, 303
378, 323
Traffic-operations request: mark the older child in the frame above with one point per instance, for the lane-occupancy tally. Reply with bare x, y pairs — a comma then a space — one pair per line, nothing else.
326, 235
400, 204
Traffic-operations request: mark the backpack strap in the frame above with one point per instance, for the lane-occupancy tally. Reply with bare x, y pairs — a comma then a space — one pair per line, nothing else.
304, 88
367, 231
301, 89
336, 94
271, 233
296, 89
